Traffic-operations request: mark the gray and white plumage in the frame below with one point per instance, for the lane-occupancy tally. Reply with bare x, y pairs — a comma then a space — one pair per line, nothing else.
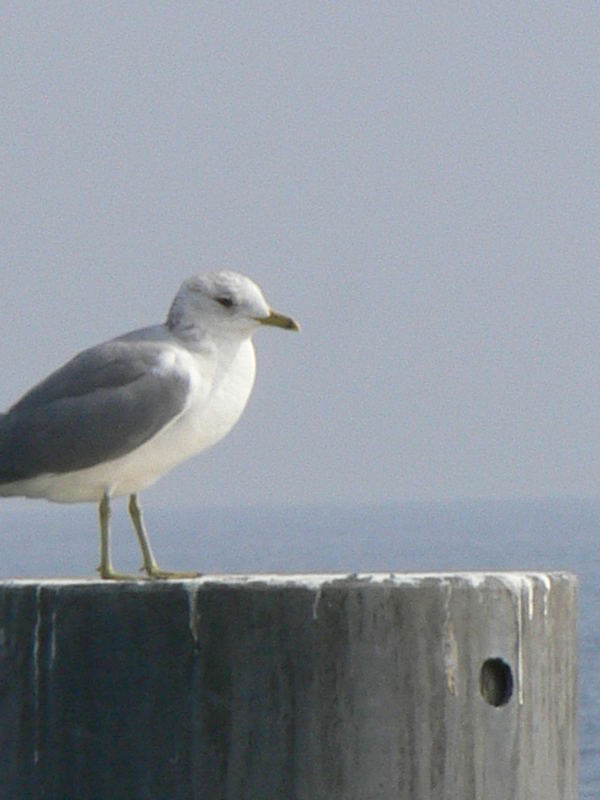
119, 415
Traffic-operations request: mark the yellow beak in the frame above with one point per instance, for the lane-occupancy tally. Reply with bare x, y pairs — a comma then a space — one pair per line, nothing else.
280, 321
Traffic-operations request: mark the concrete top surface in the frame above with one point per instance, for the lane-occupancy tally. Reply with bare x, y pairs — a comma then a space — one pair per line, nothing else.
512, 579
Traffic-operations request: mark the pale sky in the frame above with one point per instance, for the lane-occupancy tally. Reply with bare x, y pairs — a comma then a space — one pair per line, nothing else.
417, 184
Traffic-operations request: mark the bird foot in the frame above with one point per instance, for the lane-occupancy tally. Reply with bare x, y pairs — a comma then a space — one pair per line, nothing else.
109, 574
156, 573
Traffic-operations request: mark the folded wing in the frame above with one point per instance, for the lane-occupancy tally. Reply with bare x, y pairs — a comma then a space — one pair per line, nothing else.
102, 404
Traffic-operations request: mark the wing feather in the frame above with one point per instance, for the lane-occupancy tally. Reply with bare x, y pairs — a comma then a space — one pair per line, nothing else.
102, 404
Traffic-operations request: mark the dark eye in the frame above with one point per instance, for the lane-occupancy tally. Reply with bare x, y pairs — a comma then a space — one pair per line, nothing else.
226, 302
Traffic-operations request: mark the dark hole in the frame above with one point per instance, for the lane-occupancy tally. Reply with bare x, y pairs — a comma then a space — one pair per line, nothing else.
496, 682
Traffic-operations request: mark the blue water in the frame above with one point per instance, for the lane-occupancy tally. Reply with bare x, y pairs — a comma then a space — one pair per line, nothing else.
545, 535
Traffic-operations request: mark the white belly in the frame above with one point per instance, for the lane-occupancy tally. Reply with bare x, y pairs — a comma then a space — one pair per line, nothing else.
213, 409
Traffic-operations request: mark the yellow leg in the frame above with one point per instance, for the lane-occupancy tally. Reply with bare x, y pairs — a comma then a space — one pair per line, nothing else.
150, 565
106, 568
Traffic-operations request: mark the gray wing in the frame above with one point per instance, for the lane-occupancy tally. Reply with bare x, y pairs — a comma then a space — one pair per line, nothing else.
100, 405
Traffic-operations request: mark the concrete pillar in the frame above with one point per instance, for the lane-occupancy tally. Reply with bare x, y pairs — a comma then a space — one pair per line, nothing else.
367, 687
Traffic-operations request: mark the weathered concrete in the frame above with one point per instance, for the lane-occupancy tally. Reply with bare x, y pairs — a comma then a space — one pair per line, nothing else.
299, 688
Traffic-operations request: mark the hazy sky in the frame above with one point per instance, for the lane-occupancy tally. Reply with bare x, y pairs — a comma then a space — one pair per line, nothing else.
418, 184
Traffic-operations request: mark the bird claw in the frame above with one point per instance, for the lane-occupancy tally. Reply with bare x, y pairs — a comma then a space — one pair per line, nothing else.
155, 573
109, 574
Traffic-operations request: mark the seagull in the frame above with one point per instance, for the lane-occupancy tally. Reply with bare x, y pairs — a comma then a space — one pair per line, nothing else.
119, 415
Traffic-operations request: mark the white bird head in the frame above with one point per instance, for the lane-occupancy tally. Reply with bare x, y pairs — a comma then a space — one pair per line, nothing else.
225, 301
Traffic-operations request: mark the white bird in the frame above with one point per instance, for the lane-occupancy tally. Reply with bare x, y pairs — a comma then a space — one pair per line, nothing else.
119, 415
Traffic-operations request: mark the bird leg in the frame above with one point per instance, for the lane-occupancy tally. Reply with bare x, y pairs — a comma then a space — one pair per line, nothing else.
150, 565
106, 569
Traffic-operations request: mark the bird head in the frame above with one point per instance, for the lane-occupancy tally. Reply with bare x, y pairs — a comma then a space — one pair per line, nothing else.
225, 301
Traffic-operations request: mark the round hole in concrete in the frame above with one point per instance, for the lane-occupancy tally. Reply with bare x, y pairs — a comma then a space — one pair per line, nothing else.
496, 682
